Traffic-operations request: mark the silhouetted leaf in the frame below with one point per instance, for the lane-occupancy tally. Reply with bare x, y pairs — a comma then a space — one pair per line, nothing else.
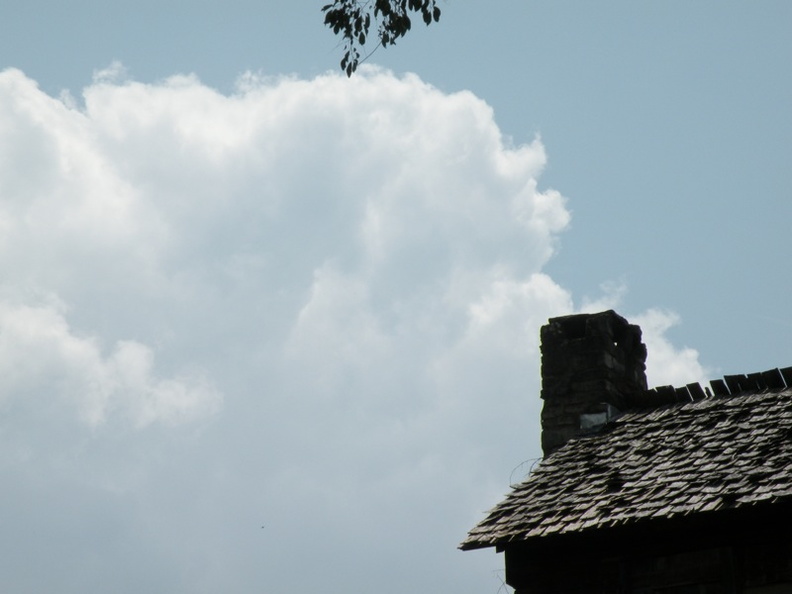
352, 19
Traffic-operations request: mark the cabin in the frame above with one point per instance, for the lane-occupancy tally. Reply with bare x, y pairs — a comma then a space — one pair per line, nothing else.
672, 490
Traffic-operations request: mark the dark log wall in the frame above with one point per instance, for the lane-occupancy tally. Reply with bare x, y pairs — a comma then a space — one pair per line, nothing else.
749, 554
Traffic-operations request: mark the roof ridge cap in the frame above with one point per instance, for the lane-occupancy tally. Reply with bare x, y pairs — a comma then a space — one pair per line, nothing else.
772, 380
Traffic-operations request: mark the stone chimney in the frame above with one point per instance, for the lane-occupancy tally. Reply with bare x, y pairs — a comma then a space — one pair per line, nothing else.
593, 365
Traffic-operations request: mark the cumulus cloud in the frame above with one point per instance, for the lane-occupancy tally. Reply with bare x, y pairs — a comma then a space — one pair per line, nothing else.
342, 280
667, 364
41, 357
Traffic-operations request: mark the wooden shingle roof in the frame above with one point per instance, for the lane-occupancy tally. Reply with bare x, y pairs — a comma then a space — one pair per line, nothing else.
725, 452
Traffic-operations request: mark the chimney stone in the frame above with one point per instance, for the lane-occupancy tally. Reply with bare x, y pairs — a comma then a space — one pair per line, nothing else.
591, 364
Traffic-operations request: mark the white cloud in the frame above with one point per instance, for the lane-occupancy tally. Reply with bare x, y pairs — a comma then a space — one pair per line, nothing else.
40, 357
116, 72
667, 364
356, 266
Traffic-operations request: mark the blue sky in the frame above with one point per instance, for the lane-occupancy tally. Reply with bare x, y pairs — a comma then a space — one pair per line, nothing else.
263, 327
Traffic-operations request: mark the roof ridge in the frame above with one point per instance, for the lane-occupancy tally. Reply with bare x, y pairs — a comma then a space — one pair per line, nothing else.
777, 379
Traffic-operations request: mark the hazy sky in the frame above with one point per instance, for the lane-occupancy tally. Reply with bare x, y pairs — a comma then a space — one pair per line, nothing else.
266, 328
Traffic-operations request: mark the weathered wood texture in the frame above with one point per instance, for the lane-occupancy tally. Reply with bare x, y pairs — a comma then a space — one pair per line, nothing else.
684, 492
